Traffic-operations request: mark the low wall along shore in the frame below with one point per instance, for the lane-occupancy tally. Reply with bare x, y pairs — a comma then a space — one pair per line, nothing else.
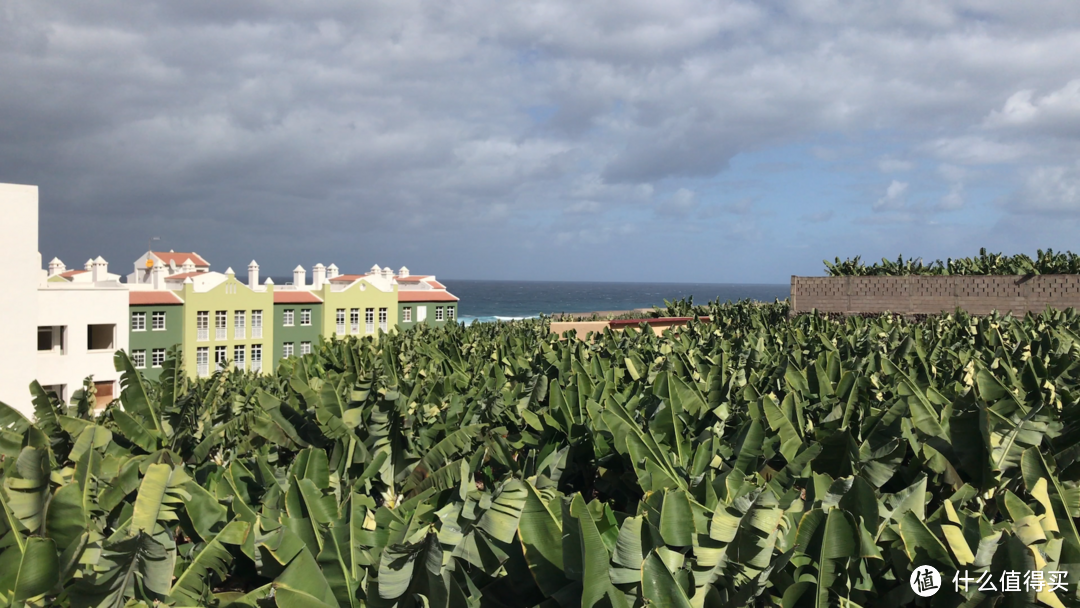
934, 294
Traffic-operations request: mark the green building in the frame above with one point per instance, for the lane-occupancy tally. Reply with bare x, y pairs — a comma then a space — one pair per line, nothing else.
156, 321
298, 322
422, 299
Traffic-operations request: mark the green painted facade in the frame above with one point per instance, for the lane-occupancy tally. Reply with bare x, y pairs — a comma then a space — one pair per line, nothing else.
231, 296
449, 313
148, 339
298, 333
359, 296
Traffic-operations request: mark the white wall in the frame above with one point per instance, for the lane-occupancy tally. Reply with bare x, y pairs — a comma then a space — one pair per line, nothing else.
76, 306
18, 293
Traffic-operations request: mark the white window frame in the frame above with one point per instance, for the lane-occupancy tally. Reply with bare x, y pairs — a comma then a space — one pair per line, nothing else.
450, 313
239, 325
354, 321
339, 319
256, 357
305, 348
155, 362
202, 325
155, 316
138, 321
369, 320
438, 313
384, 317
287, 350
202, 361
421, 313
305, 317
221, 357
406, 314
238, 356
256, 324
288, 317
138, 358
221, 324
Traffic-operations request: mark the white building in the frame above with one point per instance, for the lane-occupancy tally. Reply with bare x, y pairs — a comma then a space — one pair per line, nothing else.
81, 323
58, 326
18, 294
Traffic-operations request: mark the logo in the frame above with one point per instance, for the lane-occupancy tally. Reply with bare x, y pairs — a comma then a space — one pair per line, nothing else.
925, 581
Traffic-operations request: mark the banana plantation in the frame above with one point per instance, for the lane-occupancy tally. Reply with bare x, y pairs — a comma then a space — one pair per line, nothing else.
751, 460
1045, 262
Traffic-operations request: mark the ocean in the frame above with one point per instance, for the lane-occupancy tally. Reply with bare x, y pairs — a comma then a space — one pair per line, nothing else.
491, 300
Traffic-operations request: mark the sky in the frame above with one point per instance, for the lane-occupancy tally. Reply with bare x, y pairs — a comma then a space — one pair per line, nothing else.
645, 140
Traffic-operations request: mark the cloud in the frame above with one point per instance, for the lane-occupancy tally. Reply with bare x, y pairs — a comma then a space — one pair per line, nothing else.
679, 204
1051, 190
892, 165
817, 218
894, 198
1057, 113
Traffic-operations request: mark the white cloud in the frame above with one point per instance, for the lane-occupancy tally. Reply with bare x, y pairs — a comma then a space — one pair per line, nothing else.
892, 165
1057, 112
1051, 190
894, 198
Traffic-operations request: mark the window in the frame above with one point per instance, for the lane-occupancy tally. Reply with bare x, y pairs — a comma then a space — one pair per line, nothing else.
103, 393
202, 360
138, 321
138, 359
287, 317
256, 357
354, 321
51, 338
57, 390
382, 319
369, 320
238, 356
202, 325
157, 320
256, 326
287, 350
305, 348
450, 313
238, 325
421, 313
406, 314
305, 317
438, 313
220, 357
221, 320
340, 319
100, 337
157, 357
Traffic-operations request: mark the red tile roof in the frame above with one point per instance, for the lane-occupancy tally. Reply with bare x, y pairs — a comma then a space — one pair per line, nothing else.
183, 275
180, 258
155, 298
426, 295
296, 297
412, 278
346, 278
436, 284
71, 273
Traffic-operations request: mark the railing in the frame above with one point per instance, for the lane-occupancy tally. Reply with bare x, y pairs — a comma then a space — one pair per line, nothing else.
238, 333
341, 329
256, 366
203, 370
219, 333
203, 335
370, 327
382, 325
355, 327
256, 332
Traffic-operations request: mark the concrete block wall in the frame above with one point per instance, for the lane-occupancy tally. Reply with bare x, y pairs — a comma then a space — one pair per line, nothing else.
934, 294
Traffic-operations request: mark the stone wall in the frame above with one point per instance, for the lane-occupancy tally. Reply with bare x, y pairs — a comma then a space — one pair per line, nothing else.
934, 294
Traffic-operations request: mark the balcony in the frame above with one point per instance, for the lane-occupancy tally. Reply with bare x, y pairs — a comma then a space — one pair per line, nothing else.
203, 335
203, 370
256, 332
256, 366
341, 329
219, 333
238, 333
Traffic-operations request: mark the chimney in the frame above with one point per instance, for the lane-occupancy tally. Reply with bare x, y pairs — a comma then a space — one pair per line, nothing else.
187, 266
332, 271
157, 274
230, 272
388, 274
318, 276
56, 267
89, 265
298, 276
100, 270
403, 272
253, 275
375, 270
